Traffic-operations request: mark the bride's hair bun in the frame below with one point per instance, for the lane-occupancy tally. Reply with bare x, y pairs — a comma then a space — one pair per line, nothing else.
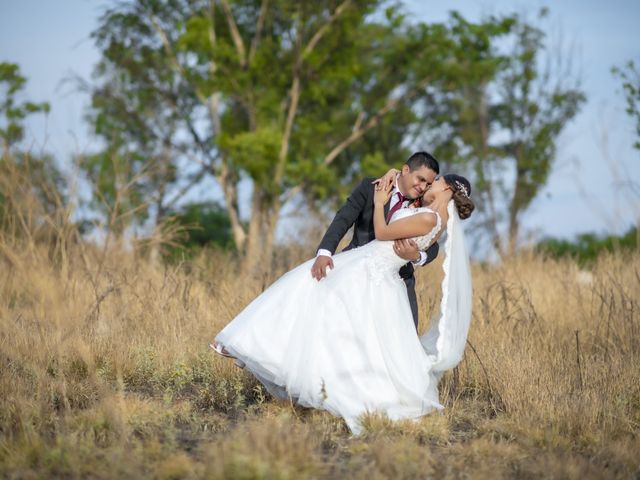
461, 189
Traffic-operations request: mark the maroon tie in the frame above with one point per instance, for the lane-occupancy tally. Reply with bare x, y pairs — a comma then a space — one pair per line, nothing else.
396, 207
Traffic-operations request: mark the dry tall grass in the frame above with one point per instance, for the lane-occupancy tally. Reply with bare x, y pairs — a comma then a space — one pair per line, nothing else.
106, 373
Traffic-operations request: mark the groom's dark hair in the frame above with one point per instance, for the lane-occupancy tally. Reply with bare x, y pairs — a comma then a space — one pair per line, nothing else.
423, 159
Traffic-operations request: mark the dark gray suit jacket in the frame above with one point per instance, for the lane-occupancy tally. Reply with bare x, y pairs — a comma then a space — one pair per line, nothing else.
358, 212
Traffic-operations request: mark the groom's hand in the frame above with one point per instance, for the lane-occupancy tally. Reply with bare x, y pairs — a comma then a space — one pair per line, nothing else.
319, 267
406, 249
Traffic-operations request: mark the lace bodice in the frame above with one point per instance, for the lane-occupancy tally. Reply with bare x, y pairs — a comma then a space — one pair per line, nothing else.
382, 262
425, 240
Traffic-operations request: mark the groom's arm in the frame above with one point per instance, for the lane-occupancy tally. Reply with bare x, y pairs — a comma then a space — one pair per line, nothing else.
346, 217
431, 253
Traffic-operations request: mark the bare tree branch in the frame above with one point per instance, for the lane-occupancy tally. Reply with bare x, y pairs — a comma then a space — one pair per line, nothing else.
231, 199
259, 25
294, 96
322, 30
357, 133
183, 191
358, 124
172, 56
212, 104
214, 100
235, 33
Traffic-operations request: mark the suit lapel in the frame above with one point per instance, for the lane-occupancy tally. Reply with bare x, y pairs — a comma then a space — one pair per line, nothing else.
387, 206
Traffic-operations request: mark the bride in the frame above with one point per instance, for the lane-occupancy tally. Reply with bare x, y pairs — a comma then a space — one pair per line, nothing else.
348, 344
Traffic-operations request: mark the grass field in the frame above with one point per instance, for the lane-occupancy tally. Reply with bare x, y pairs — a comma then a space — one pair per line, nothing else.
106, 373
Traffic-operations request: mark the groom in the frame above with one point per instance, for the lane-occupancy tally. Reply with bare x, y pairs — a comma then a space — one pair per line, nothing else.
415, 177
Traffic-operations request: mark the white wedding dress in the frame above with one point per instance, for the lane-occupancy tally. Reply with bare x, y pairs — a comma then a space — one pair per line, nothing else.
346, 344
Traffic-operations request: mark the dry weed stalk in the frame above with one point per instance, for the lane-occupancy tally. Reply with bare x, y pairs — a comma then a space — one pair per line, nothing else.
106, 372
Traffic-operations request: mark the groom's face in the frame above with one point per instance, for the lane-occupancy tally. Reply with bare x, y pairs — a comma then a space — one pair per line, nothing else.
413, 184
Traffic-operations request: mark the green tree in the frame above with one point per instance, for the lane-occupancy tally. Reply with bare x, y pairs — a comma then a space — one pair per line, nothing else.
201, 224
459, 111
297, 97
502, 118
302, 98
538, 103
586, 247
31, 186
12, 111
630, 78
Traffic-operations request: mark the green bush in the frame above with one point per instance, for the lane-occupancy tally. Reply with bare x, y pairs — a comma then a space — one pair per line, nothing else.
587, 246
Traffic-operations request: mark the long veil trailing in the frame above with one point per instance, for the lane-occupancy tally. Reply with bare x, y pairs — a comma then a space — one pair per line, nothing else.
446, 338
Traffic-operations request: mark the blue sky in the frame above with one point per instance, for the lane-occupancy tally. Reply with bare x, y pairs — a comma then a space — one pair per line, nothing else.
50, 41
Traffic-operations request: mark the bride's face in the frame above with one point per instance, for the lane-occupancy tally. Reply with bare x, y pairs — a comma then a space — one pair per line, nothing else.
437, 188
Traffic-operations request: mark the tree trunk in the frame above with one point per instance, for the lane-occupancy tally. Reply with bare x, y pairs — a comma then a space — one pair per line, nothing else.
259, 244
513, 234
518, 202
231, 197
483, 117
270, 234
514, 210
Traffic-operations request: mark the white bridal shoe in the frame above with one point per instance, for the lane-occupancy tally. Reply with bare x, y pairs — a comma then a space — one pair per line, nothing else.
220, 350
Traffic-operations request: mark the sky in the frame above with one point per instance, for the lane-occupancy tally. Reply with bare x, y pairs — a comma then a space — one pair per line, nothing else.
588, 189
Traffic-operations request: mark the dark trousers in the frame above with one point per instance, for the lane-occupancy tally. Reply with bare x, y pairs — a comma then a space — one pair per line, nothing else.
410, 282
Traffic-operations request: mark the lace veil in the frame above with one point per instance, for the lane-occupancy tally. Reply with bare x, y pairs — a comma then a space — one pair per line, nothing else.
446, 338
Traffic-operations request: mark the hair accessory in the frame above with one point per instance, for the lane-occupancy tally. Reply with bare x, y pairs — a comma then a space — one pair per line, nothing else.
460, 186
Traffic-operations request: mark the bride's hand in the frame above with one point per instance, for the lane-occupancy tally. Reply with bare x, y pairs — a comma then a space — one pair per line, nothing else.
387, 180
382, 195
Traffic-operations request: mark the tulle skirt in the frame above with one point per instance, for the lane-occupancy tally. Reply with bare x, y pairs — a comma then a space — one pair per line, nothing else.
346, 344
